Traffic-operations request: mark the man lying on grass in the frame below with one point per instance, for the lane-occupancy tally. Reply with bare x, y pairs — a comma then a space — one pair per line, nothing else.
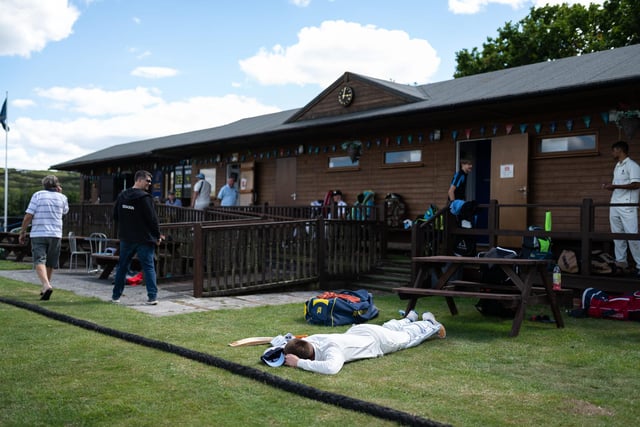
327, 353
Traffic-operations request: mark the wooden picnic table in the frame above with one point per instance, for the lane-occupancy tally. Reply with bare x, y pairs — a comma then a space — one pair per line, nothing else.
166, 249
10, 242
522, 292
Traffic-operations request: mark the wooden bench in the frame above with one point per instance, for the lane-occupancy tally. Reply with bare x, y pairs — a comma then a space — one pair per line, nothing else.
107, 262
522, 293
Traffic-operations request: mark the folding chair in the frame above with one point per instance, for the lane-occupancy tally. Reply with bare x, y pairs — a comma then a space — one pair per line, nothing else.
98, 243
74, 252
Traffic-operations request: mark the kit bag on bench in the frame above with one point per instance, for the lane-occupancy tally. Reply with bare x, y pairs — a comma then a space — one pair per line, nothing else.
343, 307
495, 275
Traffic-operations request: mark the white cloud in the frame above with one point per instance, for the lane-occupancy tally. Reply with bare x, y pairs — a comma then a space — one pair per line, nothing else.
470, 7
27, 26
542, 3
321, 54
138, 53
23, 103
300, 3
136, 114
474, 6
154, 72
99, 102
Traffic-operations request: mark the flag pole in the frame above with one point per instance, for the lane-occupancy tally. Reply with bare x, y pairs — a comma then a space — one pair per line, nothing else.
6, 170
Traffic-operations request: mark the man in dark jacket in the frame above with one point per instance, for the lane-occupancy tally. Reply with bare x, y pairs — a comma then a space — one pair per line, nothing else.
139, 233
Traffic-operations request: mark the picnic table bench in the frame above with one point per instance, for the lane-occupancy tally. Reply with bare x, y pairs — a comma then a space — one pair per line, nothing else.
166, 251
10, 242
522, 293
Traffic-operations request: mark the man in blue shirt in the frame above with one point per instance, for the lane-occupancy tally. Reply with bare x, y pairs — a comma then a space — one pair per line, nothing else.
458, 188
228, 194
172, 201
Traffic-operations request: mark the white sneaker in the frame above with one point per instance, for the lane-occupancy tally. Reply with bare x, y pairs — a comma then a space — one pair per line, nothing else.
428, 316
152, 302
115, 301
413, 316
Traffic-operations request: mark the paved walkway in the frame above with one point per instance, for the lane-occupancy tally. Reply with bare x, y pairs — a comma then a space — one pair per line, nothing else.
173, 298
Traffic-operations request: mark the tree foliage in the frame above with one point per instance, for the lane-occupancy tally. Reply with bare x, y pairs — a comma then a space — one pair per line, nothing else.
553, 32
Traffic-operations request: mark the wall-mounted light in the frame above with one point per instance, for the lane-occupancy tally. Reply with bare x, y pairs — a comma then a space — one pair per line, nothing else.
436, 134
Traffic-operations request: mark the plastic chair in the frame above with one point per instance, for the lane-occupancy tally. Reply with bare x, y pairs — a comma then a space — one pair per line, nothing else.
98, 243
74, 252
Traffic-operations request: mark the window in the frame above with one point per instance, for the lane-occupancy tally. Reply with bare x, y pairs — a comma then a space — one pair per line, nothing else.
567, 145
402, 157
342, 162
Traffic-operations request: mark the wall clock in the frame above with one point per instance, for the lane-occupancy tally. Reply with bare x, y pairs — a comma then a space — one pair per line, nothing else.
345, 96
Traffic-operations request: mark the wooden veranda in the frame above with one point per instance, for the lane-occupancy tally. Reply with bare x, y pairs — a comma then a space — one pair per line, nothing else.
588, 232
227, 251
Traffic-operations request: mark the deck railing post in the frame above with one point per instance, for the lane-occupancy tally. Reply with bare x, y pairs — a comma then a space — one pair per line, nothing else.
198, 258
321, 241
493, 216
586, 227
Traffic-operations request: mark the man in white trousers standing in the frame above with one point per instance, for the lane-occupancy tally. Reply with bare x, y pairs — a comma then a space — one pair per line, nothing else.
625, 188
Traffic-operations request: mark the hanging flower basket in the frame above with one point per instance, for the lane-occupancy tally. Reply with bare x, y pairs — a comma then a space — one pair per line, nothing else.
353, 149
629, 126
628, 121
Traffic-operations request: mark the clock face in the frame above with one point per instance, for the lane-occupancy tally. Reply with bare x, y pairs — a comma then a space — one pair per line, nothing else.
345, 96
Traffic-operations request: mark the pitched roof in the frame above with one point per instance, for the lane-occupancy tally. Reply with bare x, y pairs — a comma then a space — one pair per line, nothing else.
577, 73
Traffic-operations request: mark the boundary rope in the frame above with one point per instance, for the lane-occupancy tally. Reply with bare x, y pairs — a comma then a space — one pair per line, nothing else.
299, 389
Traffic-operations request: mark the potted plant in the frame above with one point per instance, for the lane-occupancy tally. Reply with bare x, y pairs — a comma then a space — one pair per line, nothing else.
628, 120
353, 149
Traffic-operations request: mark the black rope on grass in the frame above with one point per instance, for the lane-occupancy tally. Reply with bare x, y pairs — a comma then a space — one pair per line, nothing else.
299, 389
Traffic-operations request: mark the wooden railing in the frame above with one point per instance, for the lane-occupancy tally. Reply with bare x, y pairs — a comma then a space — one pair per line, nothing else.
246, 249
84, 219
258, 255
588, 230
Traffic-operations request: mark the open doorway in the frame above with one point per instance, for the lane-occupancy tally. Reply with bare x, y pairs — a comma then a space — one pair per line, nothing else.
500, 172
479, 180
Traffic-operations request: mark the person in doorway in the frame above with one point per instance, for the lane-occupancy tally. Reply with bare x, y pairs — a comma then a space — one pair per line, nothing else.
171, 199
201, 193
625, 188
139, 233
340, 206
44, 214
228, 194
327, 353
458, 187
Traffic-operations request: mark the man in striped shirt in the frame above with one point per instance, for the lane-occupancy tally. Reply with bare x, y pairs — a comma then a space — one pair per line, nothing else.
44, 214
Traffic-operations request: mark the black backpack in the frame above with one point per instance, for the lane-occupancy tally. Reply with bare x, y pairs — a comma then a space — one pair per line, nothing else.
493, 273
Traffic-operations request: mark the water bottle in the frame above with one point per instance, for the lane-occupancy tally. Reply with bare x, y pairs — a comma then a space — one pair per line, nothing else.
557, 278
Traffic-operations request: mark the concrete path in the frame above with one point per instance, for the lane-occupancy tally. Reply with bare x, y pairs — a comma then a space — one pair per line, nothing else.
173, 298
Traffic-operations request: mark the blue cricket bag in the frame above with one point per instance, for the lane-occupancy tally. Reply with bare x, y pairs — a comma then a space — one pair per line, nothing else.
342, 307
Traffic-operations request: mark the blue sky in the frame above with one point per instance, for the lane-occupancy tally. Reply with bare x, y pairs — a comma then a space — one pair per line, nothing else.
82, 75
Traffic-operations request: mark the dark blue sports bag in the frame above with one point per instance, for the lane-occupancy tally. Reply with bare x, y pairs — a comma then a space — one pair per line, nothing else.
343, 307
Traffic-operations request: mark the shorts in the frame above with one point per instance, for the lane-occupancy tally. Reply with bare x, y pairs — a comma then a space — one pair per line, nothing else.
46, 250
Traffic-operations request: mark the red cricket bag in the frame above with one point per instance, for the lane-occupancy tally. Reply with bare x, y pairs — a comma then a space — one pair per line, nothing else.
598, 304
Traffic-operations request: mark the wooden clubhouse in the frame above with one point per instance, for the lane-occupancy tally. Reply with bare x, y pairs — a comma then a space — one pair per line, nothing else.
539, 137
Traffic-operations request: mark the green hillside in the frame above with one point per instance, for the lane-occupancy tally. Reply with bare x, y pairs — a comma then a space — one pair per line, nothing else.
23, 183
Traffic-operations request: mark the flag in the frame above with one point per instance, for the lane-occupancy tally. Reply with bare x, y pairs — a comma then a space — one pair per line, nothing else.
3, 116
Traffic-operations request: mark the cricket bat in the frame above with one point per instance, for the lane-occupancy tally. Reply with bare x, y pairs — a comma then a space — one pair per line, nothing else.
244, 342
251, 341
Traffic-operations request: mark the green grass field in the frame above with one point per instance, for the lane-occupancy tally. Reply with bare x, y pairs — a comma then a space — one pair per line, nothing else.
54, 373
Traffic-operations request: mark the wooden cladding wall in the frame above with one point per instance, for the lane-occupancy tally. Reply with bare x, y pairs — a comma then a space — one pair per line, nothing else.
366, 97
551, 180
419, 184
